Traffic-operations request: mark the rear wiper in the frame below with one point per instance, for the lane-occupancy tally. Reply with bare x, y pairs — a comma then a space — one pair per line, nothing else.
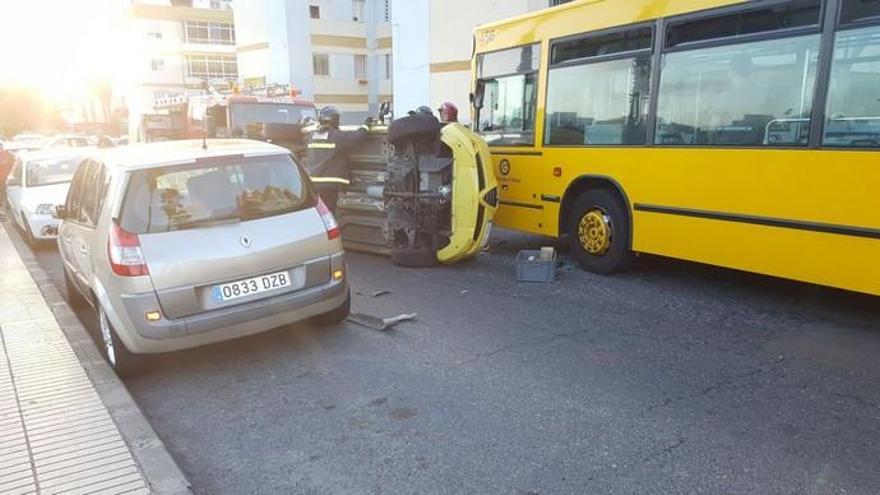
230, 218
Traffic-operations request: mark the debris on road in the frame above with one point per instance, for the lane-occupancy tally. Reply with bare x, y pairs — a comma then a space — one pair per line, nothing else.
377, 323
380, 293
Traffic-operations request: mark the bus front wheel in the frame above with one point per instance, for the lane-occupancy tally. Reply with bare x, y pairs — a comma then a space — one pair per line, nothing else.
599, 232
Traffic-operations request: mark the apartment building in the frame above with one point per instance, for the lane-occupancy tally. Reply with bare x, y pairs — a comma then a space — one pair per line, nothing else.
335, 52
433, 45
175, 46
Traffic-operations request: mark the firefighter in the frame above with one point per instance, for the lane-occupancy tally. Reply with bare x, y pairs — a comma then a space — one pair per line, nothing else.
448, 113
327, 157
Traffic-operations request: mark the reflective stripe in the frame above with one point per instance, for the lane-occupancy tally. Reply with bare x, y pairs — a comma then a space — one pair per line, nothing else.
322, 146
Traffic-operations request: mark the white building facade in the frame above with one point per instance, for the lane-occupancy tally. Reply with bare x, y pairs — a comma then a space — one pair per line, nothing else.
335, 52
175, 46
433, 45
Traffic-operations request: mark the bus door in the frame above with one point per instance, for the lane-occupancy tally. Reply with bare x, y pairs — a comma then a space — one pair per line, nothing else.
506, 109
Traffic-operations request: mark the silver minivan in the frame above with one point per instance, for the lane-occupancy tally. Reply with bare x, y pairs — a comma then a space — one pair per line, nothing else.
186, 243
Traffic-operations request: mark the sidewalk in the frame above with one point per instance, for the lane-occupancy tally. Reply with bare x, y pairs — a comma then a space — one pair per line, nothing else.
67, 424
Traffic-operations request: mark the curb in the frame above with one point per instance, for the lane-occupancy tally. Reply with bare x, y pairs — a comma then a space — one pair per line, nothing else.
160, 470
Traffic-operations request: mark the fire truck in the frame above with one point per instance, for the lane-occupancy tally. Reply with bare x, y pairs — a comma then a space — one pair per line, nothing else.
272, 112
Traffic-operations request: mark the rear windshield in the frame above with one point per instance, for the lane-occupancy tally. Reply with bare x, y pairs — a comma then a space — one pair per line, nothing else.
48, 172
213, 192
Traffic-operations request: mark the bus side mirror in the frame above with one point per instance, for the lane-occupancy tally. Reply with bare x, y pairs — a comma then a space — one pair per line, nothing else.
477, 95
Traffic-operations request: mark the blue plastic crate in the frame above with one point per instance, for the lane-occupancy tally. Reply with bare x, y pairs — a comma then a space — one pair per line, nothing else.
531, 268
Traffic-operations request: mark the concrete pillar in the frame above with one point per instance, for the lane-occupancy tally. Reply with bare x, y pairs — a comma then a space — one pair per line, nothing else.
371, 8
410, 28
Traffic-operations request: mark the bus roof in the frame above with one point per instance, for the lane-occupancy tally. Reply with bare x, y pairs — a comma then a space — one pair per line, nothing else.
536, 13
581, 16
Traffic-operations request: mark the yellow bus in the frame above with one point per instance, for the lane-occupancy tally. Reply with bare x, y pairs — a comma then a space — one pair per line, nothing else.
743, 134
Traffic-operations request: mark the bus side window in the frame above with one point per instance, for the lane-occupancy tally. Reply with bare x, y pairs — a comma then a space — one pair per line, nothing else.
758, 93
599, 88
852, 117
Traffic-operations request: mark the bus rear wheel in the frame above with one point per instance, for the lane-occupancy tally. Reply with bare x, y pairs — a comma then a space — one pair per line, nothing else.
599, 232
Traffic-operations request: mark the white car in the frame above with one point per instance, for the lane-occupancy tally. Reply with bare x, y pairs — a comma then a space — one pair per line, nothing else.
66, 141
39, 180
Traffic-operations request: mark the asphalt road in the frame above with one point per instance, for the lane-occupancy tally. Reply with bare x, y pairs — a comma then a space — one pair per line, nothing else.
672, 378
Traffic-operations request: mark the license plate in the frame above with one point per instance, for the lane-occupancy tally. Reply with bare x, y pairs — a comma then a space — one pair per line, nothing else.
251, 286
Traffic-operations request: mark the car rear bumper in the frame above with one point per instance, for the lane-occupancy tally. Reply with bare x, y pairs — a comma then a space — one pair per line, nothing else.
143, 337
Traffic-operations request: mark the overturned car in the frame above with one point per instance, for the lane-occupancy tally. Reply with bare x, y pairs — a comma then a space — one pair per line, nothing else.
418, 190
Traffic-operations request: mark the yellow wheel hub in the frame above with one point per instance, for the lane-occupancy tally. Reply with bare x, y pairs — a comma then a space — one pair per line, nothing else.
594, 232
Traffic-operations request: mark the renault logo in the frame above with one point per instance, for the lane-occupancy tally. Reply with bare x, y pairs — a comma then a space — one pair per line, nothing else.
245, 241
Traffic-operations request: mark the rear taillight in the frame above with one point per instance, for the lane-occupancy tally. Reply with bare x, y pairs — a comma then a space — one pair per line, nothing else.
328, 219
126, 256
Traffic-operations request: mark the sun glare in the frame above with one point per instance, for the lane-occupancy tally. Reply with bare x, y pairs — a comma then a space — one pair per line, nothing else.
63, 48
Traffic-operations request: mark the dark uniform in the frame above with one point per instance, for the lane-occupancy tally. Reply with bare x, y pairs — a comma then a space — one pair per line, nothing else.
327, 156
328, 152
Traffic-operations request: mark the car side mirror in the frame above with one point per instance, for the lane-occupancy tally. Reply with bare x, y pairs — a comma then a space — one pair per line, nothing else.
59, 212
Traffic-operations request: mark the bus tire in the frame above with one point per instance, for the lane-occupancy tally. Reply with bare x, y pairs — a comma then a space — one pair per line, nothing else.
599, 231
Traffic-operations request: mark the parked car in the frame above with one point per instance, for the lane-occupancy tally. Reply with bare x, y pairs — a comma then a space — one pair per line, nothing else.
28, 138
177, 246
39, 180
67, 141
18, 147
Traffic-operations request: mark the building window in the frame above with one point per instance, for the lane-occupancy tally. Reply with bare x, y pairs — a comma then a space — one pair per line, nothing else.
157, 64
554, 3
210, 67
852, 119
386, 11
360, 66
315, 11
156, 35
213, 33
389, 66
321, 65
748, 94
358, 9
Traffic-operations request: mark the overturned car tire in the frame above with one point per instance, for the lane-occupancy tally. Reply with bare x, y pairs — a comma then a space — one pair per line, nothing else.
414, 127
414, 258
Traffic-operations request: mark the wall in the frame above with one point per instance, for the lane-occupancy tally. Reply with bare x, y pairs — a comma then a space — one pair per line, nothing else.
438, 40
410, 32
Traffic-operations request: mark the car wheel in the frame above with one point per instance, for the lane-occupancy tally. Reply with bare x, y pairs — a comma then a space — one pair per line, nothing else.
599, 233
414, 258
74, 298
122, 361
336, 316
